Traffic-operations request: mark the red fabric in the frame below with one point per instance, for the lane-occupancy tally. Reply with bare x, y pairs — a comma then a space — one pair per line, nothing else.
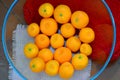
115, 8
30, 8
104, 44
103, 41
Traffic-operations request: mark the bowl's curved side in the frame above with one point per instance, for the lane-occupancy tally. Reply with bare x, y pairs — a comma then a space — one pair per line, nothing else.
113, 43
4, 40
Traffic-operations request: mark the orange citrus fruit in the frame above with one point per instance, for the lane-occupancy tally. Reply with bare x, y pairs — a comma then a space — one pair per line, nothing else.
57, 40
52, 68
48, 26
66, 70
62, 55
37, 65
86, 49
62, 14
73, 43
42, 41
79, 19
67, 30
46, 10
33, 29
80, 61
30, 50
46, 54
87, 35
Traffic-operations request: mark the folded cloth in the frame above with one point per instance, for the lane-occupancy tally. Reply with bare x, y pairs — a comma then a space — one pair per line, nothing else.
20, 38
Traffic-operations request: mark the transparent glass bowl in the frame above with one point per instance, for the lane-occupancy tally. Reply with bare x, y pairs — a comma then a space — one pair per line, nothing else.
98, 10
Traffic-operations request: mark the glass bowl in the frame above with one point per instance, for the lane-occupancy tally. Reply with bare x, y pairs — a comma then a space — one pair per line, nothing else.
98, 11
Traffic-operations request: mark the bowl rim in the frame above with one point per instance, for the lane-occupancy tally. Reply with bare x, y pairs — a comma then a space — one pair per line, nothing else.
6, 53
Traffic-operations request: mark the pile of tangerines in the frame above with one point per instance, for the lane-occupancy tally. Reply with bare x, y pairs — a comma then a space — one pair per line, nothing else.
63, 39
